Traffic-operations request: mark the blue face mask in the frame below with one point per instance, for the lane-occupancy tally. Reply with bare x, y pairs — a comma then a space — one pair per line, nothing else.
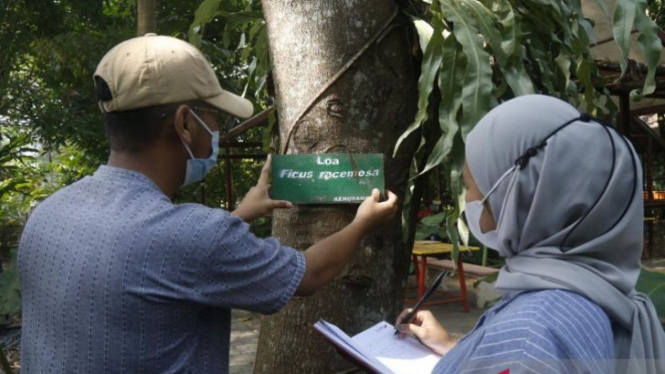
197, 168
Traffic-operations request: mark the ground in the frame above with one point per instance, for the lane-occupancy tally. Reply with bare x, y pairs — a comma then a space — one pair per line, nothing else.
245, 325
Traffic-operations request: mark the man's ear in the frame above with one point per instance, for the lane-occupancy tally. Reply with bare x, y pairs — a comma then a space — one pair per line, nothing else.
181, 121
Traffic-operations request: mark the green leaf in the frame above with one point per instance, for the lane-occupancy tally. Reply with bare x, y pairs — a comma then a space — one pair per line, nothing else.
501, 48
584, 75
242, 17
432, 225
425, 31
207, 11
563, 62
406, 205
539, 54
436, 156
435, 219
512, 65
651, 48
451, 78
463, 230
269, 130
454, 168
424, 232
429, 69
624, 17
204, 14
477, 89
255, 29
235, 20
552, 5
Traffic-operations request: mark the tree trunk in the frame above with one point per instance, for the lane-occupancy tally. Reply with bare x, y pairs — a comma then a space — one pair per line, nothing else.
364, 111
147, 17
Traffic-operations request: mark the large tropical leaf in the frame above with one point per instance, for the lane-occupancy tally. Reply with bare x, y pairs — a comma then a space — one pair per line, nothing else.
450, 83
499, 49
630, 16
651, 48
429, 69
205, 13
503, 37
477, 89
624, 18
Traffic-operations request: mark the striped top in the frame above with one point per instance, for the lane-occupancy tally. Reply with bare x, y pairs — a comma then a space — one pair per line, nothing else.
117, 279
541, 332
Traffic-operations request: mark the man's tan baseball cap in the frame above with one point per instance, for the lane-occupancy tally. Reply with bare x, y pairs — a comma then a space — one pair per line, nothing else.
154, 70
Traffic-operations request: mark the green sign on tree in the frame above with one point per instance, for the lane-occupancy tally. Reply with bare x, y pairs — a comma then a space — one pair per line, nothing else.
326, 179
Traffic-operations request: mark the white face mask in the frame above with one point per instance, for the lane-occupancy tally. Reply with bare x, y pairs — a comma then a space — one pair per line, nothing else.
473, 211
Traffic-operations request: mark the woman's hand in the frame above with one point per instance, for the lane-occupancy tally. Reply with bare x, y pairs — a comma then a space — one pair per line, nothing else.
427, 329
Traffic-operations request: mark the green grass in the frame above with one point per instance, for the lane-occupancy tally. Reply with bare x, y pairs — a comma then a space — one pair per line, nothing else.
653, 284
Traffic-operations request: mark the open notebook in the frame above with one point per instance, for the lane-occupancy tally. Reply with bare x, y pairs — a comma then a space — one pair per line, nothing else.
379, 350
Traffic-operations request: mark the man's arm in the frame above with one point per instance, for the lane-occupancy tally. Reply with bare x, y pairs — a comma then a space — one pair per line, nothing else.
327, 258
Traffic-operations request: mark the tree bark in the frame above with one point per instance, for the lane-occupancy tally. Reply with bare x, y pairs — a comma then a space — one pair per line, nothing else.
364, 111
147, 17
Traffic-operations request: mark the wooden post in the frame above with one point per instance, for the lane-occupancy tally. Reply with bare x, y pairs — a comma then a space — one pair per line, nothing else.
147, 17
650, 194
650, 168
624, 115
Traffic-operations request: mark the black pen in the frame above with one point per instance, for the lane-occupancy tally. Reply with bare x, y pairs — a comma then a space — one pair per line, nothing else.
427, 294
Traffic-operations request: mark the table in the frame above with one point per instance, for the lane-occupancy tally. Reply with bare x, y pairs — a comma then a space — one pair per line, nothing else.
424, 248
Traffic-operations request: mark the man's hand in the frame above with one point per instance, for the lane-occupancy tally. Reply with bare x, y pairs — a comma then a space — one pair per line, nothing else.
327, 257
257, 203
373, 213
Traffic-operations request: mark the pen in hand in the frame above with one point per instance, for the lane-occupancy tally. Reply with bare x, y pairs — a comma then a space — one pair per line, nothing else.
427, 294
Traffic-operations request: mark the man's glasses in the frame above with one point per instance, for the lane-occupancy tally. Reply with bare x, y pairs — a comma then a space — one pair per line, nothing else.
224, 120
211, 110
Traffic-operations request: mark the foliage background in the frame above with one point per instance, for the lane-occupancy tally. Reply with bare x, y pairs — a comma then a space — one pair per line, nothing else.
474, 54
51, 131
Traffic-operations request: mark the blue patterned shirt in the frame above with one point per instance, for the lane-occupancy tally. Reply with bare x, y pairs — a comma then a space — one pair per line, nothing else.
542, 332
118, 279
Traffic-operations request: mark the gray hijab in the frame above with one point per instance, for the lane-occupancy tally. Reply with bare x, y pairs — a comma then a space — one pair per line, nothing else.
562, 223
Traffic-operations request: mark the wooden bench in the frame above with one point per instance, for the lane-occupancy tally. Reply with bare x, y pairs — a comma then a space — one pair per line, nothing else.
464, 269
477, 271
422, 252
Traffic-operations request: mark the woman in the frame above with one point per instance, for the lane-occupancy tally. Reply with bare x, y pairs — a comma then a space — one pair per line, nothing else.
559, 196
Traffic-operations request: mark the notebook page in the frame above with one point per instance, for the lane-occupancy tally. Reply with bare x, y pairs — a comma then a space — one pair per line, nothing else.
401, 356
342, 340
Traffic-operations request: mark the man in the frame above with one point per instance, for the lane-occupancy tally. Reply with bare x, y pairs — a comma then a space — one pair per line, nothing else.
115, 277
